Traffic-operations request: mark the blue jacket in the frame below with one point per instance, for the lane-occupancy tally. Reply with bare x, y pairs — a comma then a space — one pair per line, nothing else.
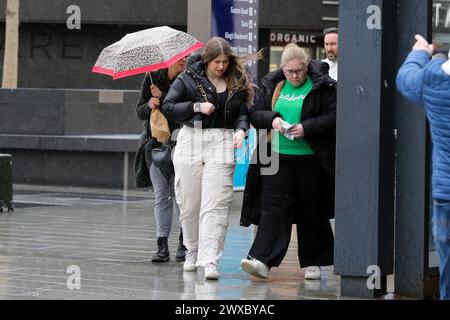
425, 82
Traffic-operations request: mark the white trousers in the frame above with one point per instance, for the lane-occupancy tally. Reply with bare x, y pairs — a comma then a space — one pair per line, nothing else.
204, 167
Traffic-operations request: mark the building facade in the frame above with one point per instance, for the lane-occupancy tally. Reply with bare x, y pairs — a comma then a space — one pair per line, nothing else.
441, 24
55, 52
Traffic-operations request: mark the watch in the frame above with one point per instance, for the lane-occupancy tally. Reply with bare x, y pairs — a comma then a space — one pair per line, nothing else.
197, 107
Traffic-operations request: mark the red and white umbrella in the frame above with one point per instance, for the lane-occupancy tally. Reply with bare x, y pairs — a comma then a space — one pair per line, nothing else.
145, 51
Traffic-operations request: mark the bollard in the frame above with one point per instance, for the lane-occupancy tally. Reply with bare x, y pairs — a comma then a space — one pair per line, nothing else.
6, 190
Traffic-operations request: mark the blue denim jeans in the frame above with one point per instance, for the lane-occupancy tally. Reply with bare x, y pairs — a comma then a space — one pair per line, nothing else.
441, 234
165, 204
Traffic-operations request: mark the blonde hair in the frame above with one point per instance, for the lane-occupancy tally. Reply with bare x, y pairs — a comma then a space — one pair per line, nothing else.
293, 51
236, 75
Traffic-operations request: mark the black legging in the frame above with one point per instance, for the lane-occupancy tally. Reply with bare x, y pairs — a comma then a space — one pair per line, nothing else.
294, 195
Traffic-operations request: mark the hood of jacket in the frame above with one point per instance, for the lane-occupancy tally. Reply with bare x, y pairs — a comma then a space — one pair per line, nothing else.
195, 64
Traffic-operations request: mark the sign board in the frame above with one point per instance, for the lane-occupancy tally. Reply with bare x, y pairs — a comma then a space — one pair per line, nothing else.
237, 22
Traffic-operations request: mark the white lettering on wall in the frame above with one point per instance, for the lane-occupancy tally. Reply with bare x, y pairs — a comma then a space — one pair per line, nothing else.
294, 38
374, 21
74, 20
374, 280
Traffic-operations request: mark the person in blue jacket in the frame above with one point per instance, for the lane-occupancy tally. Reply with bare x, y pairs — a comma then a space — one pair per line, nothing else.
426, 81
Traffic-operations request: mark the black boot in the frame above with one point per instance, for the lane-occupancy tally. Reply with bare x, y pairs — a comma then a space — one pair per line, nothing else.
162, 255
181, 252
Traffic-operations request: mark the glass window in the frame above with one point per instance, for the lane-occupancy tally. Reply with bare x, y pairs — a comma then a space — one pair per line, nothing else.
275, 57
441, 38
441, 24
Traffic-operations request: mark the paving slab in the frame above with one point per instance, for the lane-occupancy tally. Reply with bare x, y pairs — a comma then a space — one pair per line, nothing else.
109, 235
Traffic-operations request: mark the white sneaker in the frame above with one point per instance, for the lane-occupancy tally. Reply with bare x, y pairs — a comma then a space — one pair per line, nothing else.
191, 260
255, 268
312, 273
211, 272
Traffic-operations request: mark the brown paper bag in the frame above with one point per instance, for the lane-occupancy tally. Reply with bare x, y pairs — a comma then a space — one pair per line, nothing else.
159, 126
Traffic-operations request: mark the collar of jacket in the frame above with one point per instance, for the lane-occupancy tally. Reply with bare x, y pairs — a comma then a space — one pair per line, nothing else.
197, 71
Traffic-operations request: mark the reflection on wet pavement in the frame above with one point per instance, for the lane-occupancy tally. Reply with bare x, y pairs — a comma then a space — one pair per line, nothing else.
110, 238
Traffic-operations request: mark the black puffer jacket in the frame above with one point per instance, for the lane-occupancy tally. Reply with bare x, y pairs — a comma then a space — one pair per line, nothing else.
184, 92
318, 118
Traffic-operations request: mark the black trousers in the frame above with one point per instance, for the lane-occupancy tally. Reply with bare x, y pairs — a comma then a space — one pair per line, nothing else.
294, 195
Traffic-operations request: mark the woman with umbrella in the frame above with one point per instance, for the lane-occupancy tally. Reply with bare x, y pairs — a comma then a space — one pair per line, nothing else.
163, 49
211, 100
154, 89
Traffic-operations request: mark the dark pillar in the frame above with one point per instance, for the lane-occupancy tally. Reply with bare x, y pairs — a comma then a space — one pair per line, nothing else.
365, 145
412, 275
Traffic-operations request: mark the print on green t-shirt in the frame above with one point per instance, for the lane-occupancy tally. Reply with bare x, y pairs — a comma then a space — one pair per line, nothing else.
289, 105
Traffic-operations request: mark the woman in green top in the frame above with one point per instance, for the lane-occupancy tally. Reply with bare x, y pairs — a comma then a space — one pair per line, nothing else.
298, 103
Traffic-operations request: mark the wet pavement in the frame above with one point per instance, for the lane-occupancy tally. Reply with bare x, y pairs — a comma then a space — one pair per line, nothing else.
79, 243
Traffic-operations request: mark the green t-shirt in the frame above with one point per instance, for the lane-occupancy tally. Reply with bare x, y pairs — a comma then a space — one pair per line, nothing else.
289, 105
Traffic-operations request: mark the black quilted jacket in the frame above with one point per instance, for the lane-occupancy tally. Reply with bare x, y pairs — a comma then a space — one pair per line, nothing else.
184, 92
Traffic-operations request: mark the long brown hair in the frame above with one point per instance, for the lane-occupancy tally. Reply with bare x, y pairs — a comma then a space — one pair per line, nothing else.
236, 75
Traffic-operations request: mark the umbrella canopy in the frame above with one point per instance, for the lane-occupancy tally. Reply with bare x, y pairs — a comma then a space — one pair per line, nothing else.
145, 51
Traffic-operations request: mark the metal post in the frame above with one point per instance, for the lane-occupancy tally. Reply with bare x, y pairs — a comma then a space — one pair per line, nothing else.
199, 19
11, 57
365, 146
412, 275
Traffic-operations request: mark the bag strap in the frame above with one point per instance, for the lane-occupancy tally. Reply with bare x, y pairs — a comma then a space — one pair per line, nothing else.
202, 91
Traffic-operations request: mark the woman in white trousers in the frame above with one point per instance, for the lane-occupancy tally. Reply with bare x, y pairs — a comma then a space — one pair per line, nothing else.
211, 100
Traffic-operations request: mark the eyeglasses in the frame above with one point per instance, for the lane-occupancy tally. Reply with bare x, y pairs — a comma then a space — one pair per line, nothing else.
298, 72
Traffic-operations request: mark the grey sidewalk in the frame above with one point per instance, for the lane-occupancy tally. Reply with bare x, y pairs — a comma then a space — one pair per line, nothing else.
110, 238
